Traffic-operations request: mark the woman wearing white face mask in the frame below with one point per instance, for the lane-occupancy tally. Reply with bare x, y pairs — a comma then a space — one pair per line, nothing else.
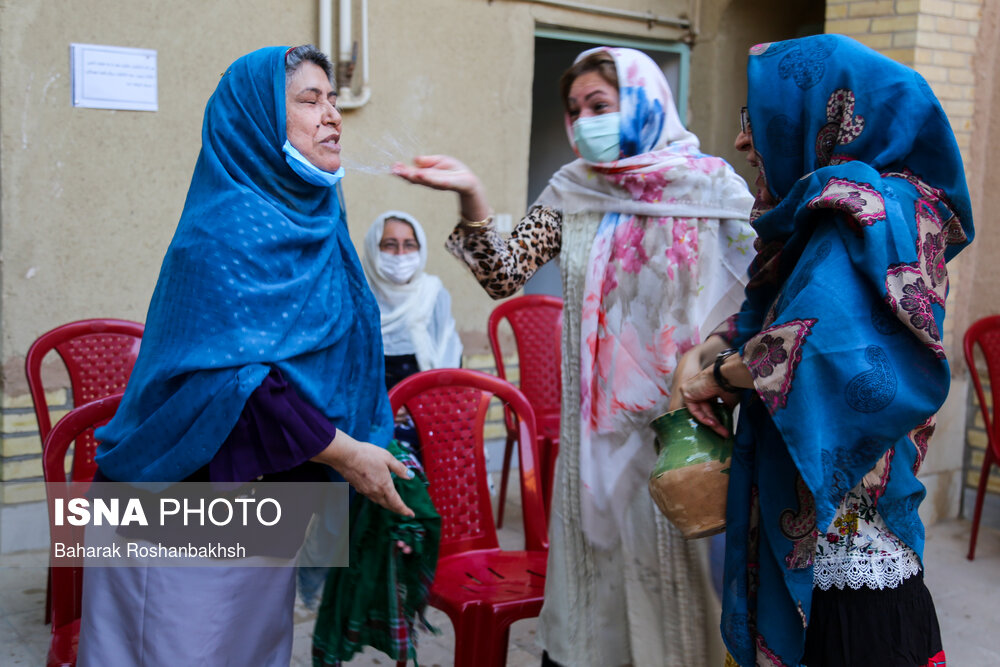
418, 331
653, 242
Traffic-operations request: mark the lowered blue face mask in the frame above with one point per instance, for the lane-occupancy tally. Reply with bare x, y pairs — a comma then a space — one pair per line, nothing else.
309, 172
598, 138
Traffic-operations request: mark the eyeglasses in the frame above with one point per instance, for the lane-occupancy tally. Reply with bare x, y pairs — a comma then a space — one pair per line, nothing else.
744, 120
392, 245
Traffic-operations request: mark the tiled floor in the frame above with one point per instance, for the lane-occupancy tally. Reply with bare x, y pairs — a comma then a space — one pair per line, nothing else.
24, 640
967, 595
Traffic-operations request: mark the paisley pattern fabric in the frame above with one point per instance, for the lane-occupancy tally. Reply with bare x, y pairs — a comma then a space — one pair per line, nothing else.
858, 200
772, 358
841, 330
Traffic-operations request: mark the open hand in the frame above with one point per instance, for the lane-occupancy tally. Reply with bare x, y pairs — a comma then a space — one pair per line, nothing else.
367, 468
441, 172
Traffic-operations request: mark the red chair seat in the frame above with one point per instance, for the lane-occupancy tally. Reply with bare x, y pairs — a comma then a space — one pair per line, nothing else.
548, 426
512, 581
63, 645
481, 587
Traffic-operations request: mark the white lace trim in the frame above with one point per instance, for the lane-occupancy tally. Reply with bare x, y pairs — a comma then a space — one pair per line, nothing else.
872, 571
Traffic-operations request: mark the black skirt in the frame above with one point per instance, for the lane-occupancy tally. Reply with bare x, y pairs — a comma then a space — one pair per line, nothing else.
893, 627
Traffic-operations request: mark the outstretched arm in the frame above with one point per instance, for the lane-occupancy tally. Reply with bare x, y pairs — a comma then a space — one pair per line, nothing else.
501, 265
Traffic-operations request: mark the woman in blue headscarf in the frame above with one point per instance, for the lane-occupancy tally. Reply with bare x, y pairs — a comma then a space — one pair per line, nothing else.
261, 359
836, 357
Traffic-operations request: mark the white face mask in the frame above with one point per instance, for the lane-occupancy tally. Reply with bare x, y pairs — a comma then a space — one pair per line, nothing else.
399, 268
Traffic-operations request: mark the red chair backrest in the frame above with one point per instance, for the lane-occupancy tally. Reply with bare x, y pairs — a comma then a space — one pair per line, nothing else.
449, 409
986, 333
535, 320
99, 355
67, 582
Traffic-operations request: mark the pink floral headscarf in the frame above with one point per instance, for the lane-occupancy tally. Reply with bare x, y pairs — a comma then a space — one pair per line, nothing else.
666, 265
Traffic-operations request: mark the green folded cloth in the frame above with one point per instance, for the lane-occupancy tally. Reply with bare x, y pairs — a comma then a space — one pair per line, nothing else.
377, 600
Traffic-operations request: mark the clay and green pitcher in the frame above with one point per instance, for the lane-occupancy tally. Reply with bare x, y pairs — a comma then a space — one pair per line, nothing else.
691, 476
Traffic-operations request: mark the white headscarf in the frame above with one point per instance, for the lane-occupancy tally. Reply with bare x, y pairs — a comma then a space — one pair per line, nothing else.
409, 309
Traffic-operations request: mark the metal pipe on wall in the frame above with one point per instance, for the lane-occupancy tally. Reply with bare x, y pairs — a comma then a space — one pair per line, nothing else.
344, 40
346, 97
646, 17
325, 26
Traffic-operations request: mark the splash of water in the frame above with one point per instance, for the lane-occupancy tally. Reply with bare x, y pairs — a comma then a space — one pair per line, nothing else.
375, 155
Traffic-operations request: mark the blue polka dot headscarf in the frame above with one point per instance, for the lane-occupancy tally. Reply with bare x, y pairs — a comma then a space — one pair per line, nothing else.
261, 273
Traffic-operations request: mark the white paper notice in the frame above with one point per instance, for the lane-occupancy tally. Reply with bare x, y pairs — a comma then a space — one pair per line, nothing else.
113, 77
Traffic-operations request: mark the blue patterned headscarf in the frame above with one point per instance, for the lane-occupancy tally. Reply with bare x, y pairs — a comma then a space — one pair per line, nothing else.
842, 325
261, 273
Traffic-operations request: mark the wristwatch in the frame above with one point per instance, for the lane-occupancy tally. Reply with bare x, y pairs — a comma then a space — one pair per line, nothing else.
720, 379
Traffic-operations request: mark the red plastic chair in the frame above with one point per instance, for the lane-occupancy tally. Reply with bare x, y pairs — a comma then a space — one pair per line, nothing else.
66, 583
99, 355
986, 334
481, 587
536, 321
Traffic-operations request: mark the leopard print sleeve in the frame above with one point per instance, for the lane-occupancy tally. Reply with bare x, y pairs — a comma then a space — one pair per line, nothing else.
502, 266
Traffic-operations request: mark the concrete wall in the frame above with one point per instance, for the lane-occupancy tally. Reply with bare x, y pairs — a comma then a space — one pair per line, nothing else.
981, 298
89, 198
719, 64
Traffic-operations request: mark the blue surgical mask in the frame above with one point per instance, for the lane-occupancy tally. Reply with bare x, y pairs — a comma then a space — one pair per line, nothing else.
309, 172
598, 138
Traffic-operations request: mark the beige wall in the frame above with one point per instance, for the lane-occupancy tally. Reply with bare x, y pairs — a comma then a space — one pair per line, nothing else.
982, 270
456, 77
89, 198
719, 64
